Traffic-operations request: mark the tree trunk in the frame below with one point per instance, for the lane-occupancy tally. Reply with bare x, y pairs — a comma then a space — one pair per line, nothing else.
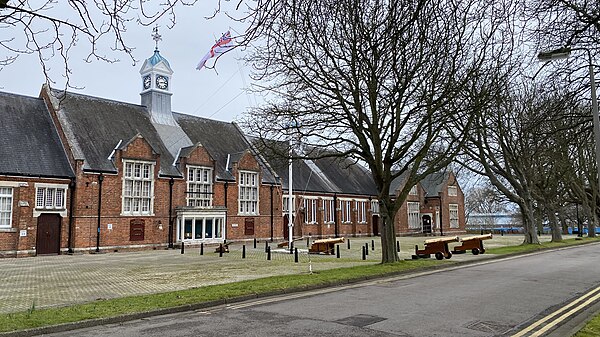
592, 225
388, 238
554, 226
529, 227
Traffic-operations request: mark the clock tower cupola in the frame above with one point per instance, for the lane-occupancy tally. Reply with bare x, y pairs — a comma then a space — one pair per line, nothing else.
156, 74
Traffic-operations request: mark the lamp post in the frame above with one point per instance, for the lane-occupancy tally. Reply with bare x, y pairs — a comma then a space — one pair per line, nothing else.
563, 53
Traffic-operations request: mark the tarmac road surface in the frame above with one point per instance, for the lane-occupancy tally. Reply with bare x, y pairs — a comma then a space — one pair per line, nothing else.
520, 296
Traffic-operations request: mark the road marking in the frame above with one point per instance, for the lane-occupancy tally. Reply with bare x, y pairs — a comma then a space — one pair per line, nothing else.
594, 296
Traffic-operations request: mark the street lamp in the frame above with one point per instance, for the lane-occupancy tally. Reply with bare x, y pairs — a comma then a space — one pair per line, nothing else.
563, 53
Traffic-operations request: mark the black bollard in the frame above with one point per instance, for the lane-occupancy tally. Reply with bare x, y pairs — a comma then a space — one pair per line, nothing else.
243, 251
254, 243
266, 246
220, 250
366, 248
269, 254
292, 248
364, 255
202, 248
372, 244
398, 246
296, 255
182, 247
337, 251
307, 242
348, 243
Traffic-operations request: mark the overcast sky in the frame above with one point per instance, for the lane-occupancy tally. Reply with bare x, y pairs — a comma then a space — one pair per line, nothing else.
203, 92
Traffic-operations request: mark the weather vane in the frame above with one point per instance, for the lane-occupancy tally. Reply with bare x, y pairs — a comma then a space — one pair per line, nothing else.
156, 37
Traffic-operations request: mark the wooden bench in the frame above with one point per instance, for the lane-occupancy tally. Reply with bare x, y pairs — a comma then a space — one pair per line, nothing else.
438, 247
326, 246
474, 243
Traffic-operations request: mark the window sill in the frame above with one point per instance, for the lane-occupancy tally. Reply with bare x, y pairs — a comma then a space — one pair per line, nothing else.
7, 230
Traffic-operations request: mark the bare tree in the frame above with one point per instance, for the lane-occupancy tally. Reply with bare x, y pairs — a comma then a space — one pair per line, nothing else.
51, 29
393, 84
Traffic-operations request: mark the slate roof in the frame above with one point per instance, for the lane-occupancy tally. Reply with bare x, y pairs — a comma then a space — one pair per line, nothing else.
95, 126
221, 140
30, 145
433, 183
323, 175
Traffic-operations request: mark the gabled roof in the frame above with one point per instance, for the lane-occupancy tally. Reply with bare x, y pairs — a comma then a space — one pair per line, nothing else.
30, 145
349, 176
223, 141
433, 183
94, 126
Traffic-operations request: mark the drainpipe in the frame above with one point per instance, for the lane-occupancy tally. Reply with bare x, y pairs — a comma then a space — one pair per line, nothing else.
72, 186
226, 185
171, 183
100, 180
441, 217
335, 215
271, 191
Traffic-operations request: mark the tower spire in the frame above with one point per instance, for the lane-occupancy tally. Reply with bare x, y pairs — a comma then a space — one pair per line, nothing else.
155, 36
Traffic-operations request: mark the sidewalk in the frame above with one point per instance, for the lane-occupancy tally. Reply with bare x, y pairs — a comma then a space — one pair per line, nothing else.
47, 281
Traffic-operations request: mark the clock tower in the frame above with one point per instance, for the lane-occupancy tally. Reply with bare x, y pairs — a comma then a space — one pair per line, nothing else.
156, 93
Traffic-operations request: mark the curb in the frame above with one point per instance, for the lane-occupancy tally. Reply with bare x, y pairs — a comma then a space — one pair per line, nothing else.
204, 305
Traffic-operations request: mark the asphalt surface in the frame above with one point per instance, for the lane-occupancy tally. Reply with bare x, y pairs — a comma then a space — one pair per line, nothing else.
498, 298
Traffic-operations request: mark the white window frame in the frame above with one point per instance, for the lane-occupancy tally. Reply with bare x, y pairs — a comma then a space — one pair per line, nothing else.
199, 186
248, 188
361, 211
413, 212
453, 215
46, 196
141, 176
375, 206
346, 210
328, 210
413, 190
310, 210
6, 199
452, 190
285, 204
218, 226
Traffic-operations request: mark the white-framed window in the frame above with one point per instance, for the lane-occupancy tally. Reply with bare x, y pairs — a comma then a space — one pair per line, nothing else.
50, 197
248, 193
328, 210
452, 191
199, 186
6, 204
375, 206
413, 215
413, 190
345, 208
200, 227
310, 210
138, 188
361, 211
286, 204
453, 213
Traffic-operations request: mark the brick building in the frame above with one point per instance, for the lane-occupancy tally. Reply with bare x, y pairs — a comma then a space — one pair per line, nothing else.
95, 174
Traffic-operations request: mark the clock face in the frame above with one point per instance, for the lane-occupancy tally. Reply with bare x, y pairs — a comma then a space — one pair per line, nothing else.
162, 82
147, 81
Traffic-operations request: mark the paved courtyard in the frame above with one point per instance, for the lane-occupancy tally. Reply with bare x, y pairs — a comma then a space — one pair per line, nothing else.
46, 281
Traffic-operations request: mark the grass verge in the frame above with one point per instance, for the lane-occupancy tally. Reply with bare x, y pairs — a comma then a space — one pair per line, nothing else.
35, 318
591, 329
542, 246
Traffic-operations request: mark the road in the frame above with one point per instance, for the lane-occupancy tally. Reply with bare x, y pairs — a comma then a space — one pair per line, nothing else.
500, 298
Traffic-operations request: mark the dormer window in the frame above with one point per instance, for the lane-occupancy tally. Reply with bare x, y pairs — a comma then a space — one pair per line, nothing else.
199, 186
